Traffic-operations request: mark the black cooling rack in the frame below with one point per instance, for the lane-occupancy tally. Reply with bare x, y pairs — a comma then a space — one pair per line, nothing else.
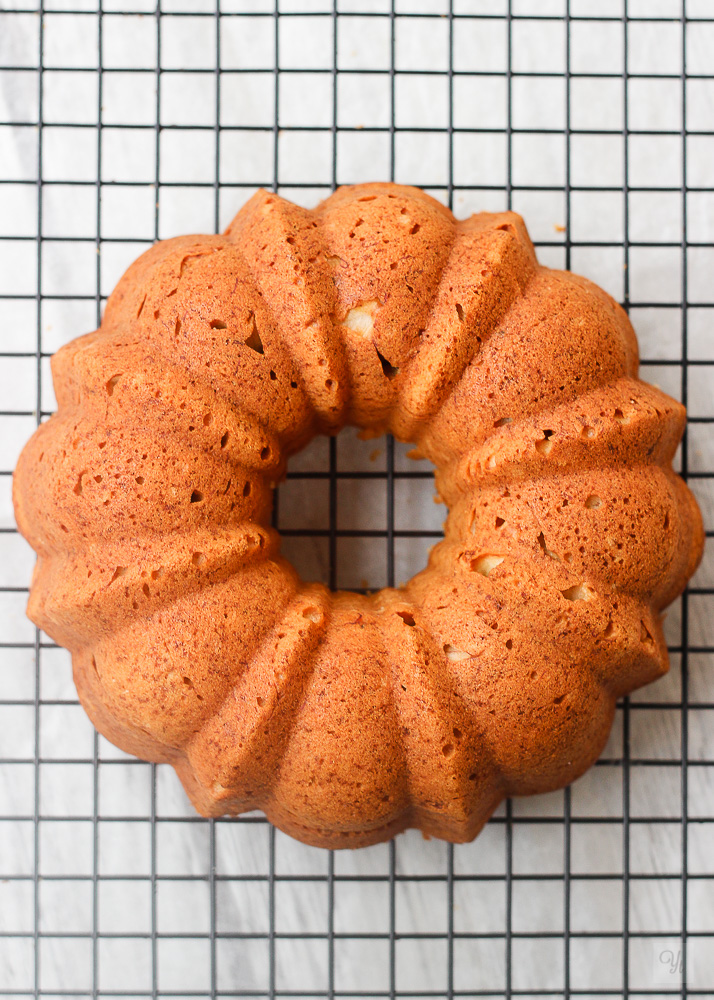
109, 885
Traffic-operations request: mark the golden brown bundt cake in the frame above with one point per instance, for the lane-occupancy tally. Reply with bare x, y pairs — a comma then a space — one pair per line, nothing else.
347, 718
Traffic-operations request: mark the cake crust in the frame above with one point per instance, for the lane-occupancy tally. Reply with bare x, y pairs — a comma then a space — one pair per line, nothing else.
348, 718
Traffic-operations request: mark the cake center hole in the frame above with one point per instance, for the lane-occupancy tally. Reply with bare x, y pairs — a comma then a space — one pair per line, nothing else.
335, 508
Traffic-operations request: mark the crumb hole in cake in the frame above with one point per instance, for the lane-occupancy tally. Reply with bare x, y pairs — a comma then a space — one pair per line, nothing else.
156, 574
139, 480
224, 439
312, 613
448, 749
544, 548
645, 634
111, 384
500, 521
389, 370
78, 488
609, 629
254, 341
486, 564
141, 307
593, 502
198, 558
207, 418
666, 521
415, 229
620, 416
503, 422
577, 593
587, 432
145, 589
544, 444
196, 496
454, 654
457, 733
246, 490
177, 327
265, 453
509, 643
273, 376
189, 684
361, 318
559, 700
460, 311
119, 571
407, 617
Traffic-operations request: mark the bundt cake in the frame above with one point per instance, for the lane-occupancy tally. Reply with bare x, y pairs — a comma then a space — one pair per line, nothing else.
349, 717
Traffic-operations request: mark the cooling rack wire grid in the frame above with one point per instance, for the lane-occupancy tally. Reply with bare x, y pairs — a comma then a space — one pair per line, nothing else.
121, 123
